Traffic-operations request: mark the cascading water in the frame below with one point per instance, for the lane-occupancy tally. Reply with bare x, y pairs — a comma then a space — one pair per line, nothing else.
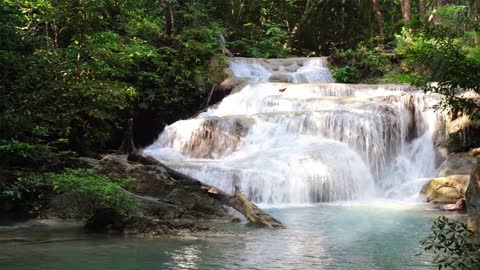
292, 136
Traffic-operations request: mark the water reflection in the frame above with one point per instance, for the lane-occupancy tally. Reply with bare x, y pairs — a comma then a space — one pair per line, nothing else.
185, 258
324, 237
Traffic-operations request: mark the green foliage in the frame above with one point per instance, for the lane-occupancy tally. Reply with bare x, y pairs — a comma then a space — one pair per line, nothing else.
19, 153
397, 76
76, 70
80, 192
453, 245
23, 187
362, 63
346, 74
446, 56
24, 193
14, 152
265, 42
84, 192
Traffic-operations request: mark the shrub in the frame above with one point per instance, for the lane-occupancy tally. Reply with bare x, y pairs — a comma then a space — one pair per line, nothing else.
84, 192
23, 193
346, 74
27, 154
365, 61
452, 245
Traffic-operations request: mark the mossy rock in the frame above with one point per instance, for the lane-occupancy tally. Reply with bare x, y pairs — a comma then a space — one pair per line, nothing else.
446, 189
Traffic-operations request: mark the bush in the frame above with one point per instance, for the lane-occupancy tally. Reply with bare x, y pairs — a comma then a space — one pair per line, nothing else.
76, 193
346, 74
452, 245
23, 193
365, 61
266, 42
443, 54
84, 192
20, 153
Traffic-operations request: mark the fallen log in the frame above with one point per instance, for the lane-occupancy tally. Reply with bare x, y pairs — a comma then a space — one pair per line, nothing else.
237, 201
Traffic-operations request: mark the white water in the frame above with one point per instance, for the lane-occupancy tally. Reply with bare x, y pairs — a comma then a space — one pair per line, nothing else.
316, 141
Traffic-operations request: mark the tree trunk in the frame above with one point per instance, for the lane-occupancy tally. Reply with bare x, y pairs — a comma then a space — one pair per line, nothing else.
169, 21
474, 16
406, 10
238, 201
378, 13
422, 8
127, 146
472, 198
227, 20
83, 29
310, 9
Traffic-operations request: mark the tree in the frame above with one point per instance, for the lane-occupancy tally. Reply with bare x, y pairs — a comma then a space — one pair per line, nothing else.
406, 10
380, 19
169, 20
311, 8
422, 8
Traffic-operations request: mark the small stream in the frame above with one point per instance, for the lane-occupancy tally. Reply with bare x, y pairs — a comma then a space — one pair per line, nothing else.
350, 236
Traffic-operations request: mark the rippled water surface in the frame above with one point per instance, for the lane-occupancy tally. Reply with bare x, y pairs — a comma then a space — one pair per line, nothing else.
380, 236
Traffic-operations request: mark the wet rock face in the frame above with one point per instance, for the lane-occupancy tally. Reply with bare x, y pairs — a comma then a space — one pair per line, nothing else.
446, 189
451, 184
473, 201
281, 77
108, 220
211, 140
458, 163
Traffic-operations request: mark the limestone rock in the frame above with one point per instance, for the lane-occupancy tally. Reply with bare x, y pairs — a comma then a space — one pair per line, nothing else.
458, 163
280, 77
461, 123
446, 189
161, 195
474, 152
473, 201
232, 84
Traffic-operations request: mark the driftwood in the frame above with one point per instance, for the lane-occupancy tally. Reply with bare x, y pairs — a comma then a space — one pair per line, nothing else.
237, 201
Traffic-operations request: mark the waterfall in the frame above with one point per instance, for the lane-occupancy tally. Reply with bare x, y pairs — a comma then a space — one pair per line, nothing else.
292, 136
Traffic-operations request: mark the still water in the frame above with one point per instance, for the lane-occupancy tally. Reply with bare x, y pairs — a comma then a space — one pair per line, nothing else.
324, 236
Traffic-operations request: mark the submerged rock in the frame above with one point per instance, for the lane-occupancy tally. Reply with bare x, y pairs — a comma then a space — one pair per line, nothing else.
446, 189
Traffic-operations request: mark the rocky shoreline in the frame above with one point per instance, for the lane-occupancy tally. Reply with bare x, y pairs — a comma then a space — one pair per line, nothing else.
169, 203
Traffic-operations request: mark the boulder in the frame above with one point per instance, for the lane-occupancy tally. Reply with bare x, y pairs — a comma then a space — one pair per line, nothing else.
474, 152
280, 77
232, 85
163, 196
447, 190
458, 164
168, 195
152, 227
237, 201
